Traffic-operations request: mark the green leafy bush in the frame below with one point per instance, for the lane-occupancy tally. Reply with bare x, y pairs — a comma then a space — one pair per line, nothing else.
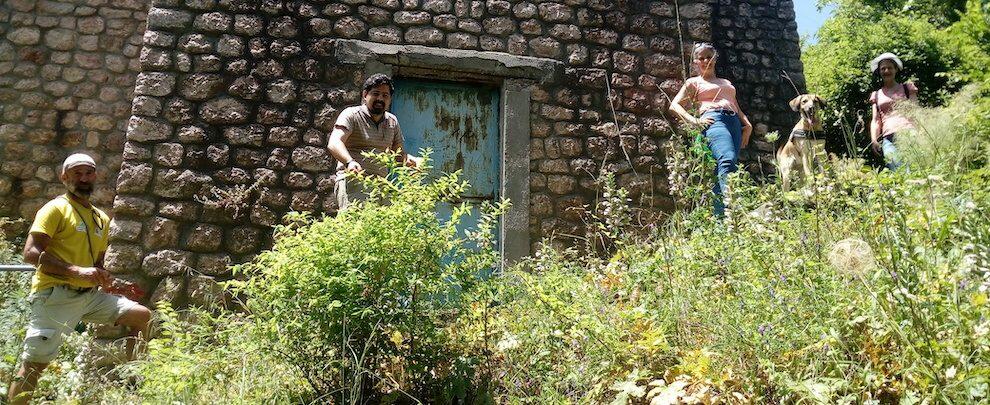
971, 37
359, 303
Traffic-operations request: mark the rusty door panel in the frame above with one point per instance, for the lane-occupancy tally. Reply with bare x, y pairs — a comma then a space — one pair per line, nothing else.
460, 123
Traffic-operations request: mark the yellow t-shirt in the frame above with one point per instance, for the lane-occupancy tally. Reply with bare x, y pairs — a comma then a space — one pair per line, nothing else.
79, 236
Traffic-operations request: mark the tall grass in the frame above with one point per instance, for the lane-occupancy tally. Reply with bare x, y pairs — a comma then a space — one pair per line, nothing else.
944, 140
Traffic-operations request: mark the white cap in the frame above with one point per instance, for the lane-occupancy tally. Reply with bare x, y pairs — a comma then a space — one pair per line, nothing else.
875, 63
77, 159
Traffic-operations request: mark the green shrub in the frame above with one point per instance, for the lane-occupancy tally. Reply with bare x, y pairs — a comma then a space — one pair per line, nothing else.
971, 37
359, 303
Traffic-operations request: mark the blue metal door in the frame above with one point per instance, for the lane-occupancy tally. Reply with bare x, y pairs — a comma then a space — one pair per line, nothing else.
460, 123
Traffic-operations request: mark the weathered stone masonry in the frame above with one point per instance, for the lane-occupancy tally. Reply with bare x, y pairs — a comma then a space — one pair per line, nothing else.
67, 72
235, 98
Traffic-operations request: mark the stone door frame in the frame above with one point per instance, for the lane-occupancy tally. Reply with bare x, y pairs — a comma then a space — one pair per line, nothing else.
514, 76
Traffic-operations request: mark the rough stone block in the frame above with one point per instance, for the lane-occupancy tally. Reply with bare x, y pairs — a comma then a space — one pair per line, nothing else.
304, 201
499, 26
162, 18
195, 44
154, 84
245, 87
248, 24
282, 91
559, 184
214, 264
179, 111
200, 86
162, 233
410, 18
178, 210
252, 135
204, 238
205, 292
424, 35
213, 22
283, 27
170, 290
167, 263
192, 134
284, 136
169, 154
173, 183
224, 110
349, 27
134, 178
555, 12
24, 36
460, 40
123, 258
230, 46
242, 240
61, 39
125, 230
312, 159
143, 129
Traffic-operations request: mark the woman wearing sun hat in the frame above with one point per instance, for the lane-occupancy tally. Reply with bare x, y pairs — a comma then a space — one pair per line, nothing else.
887, 121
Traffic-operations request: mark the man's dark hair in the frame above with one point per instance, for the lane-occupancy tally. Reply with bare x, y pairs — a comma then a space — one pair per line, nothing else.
379, 79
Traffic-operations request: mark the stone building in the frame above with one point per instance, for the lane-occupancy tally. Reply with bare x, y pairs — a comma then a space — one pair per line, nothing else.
233, 99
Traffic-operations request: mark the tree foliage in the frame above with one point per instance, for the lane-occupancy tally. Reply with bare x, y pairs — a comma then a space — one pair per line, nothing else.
943, 45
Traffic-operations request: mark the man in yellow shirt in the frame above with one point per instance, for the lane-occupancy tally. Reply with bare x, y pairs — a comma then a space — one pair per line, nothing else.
66, 243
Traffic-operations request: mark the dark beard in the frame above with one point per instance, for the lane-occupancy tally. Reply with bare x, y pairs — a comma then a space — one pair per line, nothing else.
82, 190
377, 108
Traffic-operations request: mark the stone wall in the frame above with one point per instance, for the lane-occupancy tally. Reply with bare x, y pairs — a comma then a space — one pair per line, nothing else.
67, 71
235, 99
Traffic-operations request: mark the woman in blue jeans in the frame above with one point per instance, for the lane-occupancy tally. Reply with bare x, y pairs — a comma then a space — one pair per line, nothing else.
724, 125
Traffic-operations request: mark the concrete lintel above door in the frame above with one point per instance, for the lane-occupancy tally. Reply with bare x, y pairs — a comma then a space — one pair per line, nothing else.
349, 51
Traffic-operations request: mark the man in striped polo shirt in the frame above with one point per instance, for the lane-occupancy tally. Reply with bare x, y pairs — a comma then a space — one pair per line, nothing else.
368, 127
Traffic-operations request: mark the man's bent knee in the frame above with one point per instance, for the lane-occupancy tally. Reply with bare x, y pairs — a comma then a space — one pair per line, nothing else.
136, 317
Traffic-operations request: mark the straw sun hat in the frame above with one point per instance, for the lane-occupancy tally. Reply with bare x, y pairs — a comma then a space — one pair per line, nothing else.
875, 63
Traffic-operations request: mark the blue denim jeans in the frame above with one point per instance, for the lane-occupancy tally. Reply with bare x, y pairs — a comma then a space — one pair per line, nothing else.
890, 152
724, 138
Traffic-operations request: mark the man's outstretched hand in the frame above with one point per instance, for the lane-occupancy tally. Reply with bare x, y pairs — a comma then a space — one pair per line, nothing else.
414, 162
126, 289
95, 275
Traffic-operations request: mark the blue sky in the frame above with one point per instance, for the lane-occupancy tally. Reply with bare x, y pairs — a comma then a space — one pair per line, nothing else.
809, 18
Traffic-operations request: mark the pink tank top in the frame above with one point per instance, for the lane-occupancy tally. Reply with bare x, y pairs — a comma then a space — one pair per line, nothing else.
890, 119
713, 96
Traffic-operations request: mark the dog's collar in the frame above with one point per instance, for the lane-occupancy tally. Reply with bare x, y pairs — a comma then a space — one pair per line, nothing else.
799, 133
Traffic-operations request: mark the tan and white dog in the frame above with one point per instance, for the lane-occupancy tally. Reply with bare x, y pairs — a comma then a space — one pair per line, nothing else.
796, 157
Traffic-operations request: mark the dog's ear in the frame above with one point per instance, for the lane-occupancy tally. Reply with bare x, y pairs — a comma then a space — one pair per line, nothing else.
820, 101
796, 103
